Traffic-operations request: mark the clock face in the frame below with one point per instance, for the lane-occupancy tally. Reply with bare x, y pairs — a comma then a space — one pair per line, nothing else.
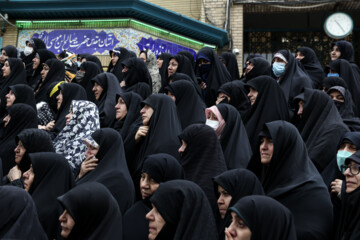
338, 25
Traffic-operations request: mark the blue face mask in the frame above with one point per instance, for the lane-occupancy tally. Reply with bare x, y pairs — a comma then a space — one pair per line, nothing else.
340, 157
278, 69
333, 75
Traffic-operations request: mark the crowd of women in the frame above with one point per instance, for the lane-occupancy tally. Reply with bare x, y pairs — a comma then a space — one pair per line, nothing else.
179, 146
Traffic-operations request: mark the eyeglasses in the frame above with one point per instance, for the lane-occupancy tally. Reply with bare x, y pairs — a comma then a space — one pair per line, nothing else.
354, 168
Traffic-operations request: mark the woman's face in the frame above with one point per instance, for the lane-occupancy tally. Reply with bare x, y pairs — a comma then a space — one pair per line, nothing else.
146, 113
252, 95
301, 108
143, 56
266, 150
148, 186
159, 62
121, 109
223, 201
349, 147
125, 69
59, 99
19, 152
3, 56
183, 147
91, 150
352, 179
337, 96
335, 53
249, 66
67, 224
173, 65
114, 59
156, 223
6, 69
238, 229
6, 120
97, 89
28, 178
36, 62
299, 56
10, 98
44, 72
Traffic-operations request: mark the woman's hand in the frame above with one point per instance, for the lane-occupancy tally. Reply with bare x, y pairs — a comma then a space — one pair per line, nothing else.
48, 126
203, 85
122, 83
336, 186
142, 131
14, 174
88, 165
228, 235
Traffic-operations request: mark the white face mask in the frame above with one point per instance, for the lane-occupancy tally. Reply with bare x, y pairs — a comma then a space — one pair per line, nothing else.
28, 50
212, 123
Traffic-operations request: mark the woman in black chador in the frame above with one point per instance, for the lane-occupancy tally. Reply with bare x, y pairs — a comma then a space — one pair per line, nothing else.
230, 187
213, 74
88, 70
231, 64
105, 163
90, 212
180, 211
312, 66
157, 168
117, 55
105, 88
289, 176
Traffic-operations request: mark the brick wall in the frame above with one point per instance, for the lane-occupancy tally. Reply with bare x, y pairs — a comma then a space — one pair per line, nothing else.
10, 35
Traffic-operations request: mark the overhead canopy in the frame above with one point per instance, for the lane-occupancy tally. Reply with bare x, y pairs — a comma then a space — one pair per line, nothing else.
138, 9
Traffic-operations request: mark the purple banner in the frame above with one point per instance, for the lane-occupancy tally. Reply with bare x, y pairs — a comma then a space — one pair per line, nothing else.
159, 46
78, 41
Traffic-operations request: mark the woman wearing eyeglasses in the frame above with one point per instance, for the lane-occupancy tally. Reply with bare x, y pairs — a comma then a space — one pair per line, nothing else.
349, 224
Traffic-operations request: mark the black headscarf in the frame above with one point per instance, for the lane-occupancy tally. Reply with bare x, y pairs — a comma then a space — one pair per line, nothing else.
203, 158
55, 74
91, 70
216, 76
106, 102
261, 67
19, 218
185, 66
348, 227
138, 72
34, 140
112, 169
44, 55
189, 55
238, 183
17, 76
266, 218
312, 66
294, 79
94, 59
52, 178
161, 167
70, 92
190, 107
141, 88
186, 211
132, 101
263, 110
231, 64
164, 68
321, 127
182, 76
23, 94
94, 210
22, 116
343, 68
292, 179
234, 139
117, 69
238, 96
346, 49
11, 51
164, 128
345, 108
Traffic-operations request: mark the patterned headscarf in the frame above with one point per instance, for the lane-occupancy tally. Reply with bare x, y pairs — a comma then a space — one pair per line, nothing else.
83, 123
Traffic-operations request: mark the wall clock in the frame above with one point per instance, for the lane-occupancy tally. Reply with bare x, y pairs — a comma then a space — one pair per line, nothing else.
338, 25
